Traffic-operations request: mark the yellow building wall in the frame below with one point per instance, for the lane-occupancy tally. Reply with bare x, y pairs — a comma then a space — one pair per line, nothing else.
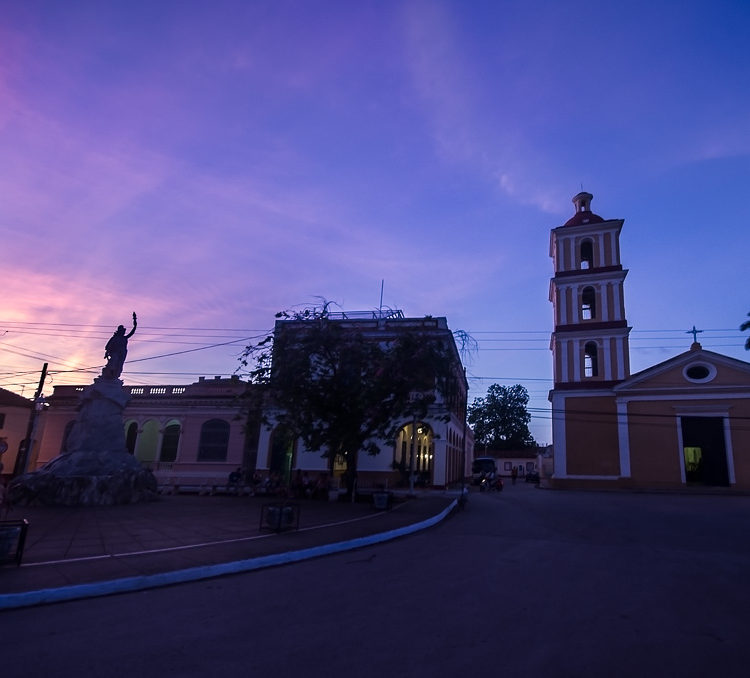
591, 436
740, 434
14, 431
51, 436
654, 446
654, 442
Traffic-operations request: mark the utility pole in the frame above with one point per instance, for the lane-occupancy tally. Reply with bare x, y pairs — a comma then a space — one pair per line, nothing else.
22, 459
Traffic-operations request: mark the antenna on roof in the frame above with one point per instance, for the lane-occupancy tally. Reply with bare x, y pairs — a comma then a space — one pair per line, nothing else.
380, 308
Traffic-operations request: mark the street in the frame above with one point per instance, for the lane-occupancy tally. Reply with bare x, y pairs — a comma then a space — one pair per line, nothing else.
523, 582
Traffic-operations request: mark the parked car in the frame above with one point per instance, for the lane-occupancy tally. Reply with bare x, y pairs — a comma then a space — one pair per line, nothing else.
532, 477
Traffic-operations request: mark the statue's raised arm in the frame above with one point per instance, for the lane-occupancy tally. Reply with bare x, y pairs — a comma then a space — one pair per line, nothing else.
116, 351
135, 324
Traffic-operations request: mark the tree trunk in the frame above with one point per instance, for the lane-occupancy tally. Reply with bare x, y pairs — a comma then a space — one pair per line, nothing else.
351, 474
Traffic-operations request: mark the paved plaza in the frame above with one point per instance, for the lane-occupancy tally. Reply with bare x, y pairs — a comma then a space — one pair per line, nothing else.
524, 582
75, 546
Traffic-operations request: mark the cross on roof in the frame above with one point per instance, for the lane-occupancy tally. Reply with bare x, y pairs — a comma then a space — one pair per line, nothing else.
695, 334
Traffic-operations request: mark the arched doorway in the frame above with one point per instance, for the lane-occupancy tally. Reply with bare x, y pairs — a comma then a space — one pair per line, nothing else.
423, 447
148, 441
214, 440
131, 436
281, 457
169, 442
66, 435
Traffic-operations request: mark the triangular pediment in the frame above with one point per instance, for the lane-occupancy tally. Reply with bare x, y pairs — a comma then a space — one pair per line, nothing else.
695, 370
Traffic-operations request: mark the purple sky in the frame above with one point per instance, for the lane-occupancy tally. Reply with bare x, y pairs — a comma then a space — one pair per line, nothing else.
208, 164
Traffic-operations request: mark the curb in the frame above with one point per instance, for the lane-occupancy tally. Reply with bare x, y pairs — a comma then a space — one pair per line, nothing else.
131, 584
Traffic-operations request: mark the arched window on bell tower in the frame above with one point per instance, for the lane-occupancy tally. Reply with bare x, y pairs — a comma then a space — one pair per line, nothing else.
587, 254
590, 360
588, 303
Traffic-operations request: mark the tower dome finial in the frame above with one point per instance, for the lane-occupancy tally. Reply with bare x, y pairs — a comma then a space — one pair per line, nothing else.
582, 201
583, 214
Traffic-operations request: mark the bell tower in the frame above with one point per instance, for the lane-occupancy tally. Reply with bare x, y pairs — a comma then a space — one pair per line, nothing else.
590, 339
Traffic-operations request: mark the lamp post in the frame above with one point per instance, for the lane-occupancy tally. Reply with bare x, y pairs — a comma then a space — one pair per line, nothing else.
411, 455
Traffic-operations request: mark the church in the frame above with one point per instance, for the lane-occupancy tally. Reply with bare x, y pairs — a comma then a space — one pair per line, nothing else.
683, 423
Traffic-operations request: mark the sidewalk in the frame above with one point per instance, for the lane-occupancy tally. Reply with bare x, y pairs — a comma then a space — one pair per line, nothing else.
86, 551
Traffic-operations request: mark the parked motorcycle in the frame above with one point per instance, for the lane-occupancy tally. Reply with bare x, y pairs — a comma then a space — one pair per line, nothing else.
490, 483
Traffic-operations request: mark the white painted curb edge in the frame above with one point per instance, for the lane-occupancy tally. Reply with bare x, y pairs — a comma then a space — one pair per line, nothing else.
130, 584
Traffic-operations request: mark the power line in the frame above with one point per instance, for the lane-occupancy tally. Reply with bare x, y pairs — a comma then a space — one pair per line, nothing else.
664, 421
182, 336
156, 334
242, 330
81, 327
28, 354
142, 336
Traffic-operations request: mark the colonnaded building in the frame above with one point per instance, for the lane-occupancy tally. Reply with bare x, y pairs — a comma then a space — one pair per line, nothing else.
191, 430
684, 422
203, 430
441, 442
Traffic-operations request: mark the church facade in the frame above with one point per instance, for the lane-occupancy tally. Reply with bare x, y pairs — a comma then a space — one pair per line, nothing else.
683, 423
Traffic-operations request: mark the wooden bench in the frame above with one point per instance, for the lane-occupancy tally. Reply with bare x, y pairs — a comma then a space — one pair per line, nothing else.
199, 483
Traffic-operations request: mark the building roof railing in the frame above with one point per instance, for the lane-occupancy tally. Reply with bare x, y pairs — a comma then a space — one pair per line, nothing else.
366, 315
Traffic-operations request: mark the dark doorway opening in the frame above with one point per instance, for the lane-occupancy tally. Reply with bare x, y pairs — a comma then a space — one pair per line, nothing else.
130, 437
704, 450
169, 443
282, 454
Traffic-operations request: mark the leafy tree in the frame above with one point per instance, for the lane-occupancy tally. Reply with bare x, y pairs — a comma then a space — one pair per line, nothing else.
744, 327
340, 390
500, 420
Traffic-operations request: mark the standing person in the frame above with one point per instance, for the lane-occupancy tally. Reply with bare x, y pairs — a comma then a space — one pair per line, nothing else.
297, 484
514, 474
307, 487
257, 482
234, 480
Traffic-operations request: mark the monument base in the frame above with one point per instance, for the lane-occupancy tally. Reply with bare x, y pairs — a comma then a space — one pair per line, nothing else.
98, 470
86, 479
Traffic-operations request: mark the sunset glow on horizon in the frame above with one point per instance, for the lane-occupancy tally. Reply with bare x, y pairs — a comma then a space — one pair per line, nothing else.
207, 165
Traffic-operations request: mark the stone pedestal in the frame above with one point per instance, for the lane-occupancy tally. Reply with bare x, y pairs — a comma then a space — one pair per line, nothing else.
97, 470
